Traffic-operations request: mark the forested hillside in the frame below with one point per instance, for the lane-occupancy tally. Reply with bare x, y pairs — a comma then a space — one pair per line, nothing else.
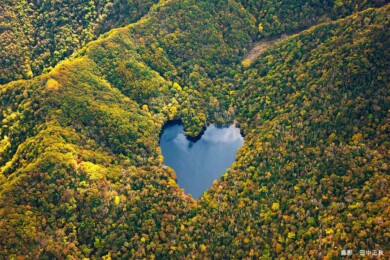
81, 172
277, 17
35, 35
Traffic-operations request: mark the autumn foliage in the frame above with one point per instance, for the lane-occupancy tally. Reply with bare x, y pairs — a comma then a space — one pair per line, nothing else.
81, 171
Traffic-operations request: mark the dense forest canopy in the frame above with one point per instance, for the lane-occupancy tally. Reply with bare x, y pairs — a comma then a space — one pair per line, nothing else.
36, 35
81, 172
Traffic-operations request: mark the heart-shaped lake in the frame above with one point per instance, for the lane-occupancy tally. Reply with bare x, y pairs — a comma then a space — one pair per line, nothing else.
198, 164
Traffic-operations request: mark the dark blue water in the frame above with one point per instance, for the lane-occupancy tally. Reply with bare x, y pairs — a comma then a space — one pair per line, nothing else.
198, 164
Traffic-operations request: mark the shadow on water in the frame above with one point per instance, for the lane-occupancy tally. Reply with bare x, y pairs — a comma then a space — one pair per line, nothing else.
179, 122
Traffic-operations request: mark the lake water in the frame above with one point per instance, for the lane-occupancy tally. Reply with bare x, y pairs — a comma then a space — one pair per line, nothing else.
198, 164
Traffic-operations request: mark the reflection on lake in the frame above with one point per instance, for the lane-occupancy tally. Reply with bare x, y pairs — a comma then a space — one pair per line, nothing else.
198, 164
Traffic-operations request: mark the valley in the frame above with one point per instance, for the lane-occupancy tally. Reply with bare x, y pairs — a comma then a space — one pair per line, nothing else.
82, 173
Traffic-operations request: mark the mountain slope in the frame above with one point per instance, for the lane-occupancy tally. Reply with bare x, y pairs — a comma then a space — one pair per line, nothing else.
312, 178
82, 173
36, 35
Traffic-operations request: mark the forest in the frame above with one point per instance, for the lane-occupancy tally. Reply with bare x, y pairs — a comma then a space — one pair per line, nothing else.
88, 85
